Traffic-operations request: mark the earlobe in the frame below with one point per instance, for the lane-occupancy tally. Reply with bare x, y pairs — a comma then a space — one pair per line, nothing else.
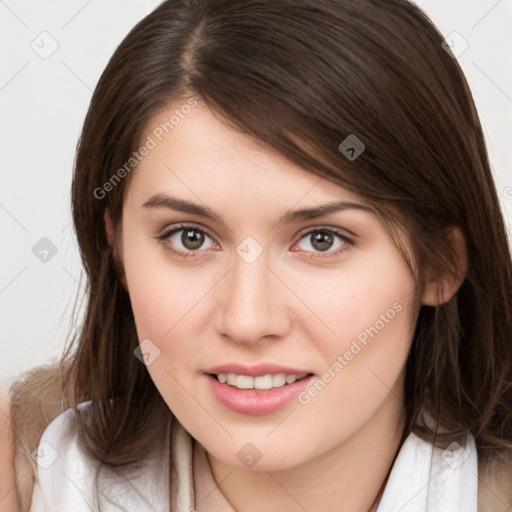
109, 227
441, 289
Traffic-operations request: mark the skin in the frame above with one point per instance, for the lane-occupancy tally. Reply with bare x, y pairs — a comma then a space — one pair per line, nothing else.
8, 497
294, 305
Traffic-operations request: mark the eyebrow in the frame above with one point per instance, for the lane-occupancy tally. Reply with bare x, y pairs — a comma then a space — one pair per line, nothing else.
181, 205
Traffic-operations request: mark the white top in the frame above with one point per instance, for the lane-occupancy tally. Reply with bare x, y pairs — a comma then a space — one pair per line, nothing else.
423, 478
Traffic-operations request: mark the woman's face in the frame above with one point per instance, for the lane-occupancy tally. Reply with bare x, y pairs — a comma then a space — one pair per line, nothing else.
261, 283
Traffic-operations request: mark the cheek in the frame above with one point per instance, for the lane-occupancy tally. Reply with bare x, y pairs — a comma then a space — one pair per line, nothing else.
163, 299
372, 295
372, 314
161, 294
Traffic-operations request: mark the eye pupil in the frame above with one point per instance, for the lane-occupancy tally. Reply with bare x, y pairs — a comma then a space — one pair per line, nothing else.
192, 239
322, 240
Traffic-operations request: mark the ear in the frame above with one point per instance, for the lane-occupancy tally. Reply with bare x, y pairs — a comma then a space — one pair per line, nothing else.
110, 232
441, 289
109, 227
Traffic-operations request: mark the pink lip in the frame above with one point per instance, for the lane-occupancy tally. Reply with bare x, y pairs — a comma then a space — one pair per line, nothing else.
256, 402
252, 401
258, 370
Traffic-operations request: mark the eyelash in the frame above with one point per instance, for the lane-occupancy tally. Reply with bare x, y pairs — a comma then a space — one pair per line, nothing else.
182, 254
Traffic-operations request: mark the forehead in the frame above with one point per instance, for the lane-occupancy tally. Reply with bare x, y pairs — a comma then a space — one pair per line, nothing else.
198, 155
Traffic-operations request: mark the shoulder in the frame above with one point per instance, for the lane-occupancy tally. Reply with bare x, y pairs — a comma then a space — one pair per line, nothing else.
495, 482
36, 399
53, 471
65, 473
68, 478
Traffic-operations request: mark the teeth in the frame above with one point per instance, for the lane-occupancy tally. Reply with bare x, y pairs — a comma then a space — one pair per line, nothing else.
244, 382
264, 382
278, 380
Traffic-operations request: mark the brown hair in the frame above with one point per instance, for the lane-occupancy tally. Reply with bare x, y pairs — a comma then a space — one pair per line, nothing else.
301, 76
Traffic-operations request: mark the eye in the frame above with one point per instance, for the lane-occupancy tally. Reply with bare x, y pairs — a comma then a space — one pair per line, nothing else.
185, 240
325, 240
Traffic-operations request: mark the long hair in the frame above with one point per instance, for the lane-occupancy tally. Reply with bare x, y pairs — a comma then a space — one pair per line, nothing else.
301, 76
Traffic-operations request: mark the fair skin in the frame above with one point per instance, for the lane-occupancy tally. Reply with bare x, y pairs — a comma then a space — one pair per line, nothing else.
295, 305
8, 496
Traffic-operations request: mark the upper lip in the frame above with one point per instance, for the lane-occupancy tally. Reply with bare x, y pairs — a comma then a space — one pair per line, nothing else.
258, 370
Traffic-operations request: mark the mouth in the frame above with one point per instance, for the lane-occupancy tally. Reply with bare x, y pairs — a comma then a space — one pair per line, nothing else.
259, 394
259, 383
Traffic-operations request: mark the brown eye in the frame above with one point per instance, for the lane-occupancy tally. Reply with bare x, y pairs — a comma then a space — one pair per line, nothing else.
186, 240
323, 240
192, 239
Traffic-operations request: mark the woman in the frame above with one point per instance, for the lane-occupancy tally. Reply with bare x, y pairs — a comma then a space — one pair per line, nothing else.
299, 275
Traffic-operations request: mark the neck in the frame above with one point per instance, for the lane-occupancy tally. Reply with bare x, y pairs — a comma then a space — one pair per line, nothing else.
351, 477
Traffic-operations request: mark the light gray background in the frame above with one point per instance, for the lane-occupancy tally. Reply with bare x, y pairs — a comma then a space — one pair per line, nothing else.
43, 101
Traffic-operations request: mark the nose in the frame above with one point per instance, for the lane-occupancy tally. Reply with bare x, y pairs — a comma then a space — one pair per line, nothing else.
253, 303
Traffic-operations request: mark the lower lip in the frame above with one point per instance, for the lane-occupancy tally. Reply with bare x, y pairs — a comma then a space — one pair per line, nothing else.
251, 401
